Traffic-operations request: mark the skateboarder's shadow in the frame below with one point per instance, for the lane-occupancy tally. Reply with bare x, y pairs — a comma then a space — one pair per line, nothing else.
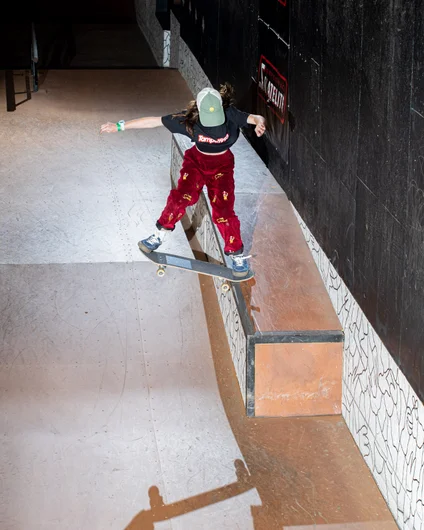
159, 511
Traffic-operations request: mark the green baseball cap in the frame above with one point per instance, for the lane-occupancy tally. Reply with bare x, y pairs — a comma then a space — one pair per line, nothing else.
209, 103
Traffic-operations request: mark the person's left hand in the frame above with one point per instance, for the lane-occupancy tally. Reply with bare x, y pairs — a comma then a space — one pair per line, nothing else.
109, 127
260, 127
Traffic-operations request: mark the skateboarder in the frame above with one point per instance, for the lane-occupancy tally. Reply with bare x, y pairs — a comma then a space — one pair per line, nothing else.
213, 123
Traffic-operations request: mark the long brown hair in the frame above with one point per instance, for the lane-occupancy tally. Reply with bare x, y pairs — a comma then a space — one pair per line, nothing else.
191, 115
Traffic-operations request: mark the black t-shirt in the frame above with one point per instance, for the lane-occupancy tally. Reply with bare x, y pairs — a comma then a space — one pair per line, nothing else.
210, 139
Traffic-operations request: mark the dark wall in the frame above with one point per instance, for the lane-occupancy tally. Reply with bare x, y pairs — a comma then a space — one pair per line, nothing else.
77, 11
349, 146
53, 22
357, 157
223, 37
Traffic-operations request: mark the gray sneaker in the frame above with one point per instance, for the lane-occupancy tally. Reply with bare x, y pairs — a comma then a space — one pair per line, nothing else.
240, 265
153, 242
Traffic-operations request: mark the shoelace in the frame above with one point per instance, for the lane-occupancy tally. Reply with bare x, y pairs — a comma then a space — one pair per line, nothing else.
239, 259
153, 239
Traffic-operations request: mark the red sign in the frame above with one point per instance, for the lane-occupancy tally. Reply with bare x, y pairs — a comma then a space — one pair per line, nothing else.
272, 88
284, 2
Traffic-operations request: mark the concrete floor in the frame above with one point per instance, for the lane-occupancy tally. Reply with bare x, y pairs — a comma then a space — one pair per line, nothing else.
120, 406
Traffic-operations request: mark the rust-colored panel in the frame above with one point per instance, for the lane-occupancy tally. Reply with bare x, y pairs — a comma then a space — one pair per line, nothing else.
298, 379
288, 292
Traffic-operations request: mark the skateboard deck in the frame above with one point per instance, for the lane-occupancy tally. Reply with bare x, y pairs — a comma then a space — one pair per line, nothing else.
164, 260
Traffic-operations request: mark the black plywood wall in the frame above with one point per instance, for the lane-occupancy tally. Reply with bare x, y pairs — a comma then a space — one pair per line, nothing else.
357, 156
341, 83
223, 37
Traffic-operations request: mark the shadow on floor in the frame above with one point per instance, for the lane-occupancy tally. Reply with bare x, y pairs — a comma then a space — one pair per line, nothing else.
159, 511
307, 471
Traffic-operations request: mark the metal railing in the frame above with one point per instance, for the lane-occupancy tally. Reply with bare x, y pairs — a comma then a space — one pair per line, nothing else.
34, 58
10, 81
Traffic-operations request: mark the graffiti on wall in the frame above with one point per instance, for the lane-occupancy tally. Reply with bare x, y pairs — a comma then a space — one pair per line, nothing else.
272, 88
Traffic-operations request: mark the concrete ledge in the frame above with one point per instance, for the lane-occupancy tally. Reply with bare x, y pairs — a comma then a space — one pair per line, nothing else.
284, 335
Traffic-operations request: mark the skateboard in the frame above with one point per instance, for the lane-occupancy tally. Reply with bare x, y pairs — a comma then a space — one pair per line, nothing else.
163, 260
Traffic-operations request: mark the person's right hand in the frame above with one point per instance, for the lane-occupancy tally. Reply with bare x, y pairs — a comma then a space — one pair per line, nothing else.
109, 127
260, 126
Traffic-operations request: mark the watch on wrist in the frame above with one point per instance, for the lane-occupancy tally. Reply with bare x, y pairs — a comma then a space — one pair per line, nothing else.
121, 125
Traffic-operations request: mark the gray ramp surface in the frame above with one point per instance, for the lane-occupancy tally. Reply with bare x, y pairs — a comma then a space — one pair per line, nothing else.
107, 383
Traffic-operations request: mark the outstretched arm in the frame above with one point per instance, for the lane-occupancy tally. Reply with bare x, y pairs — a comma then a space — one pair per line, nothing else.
139, 123
259, 121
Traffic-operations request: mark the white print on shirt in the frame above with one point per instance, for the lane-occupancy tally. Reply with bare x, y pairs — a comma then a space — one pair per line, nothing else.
208, 140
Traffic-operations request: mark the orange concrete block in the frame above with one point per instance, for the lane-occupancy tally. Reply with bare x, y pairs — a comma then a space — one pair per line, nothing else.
302, 379
292, 295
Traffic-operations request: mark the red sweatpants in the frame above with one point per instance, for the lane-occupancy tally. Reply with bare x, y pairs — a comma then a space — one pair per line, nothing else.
217, 173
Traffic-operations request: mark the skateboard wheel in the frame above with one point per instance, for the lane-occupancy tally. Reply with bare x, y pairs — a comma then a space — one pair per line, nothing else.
225, 287
160, 272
